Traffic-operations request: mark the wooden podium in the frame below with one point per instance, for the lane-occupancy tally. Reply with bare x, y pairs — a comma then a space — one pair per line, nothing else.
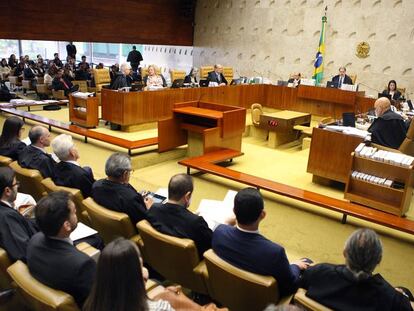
83, 111
205, 127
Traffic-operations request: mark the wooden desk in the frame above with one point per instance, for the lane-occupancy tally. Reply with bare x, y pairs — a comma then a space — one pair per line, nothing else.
330, 155
140, 107
204, 126
83, 111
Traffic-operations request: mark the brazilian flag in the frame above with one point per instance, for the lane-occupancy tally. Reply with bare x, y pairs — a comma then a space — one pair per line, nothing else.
318, 71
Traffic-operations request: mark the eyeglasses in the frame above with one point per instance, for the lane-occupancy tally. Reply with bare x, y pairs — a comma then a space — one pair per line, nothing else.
17, 183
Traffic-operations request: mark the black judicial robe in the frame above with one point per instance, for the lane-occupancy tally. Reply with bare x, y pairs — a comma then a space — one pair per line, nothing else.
120, 198
13, 149
35, 158
73, 176
15, 232
388, 130
120, 81
178, 221
335, 287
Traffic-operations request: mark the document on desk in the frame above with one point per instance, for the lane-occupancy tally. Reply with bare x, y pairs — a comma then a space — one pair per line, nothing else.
82, 231
217, 212
347, 130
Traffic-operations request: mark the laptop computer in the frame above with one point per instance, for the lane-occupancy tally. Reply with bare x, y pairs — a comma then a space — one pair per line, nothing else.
136, 87
282, 83
332, 84
203, 83
177, 83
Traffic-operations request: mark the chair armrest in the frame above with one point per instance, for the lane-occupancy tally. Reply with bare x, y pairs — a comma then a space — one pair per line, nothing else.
201, 269
88, 250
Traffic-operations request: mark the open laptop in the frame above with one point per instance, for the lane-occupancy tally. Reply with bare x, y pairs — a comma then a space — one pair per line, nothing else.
332, 84
177, 83
136, 87
203, 83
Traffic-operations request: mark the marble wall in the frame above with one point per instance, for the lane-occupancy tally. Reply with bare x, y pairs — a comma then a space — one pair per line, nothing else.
274, 38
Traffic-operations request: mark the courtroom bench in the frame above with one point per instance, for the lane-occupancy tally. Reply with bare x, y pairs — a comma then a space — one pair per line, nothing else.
86, 133
207, 164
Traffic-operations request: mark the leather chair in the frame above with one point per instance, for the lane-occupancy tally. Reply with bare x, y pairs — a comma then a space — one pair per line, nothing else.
5, 161
238, 289
101, 77
306, 303
110, 224
228, 73
144, 71
27, 85
40, 80
44, 89
15, 81
204, 70
78, 198
407, 146
30, 181
256, 112
37, 296
177, 74
174, 258
60, 94
353, 78
83, 85
5, 262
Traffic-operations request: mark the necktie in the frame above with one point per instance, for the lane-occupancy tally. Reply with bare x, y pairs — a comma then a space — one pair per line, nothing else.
340, 82
218, 78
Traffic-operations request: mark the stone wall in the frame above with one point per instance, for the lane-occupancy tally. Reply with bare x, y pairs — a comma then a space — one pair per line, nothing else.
274, 38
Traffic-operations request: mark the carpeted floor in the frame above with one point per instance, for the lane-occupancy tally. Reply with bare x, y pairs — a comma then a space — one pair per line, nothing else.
304, 230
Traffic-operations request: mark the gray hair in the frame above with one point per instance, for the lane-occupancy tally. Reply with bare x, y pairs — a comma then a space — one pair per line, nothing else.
61, 145
124, 67
117, 164
363, 252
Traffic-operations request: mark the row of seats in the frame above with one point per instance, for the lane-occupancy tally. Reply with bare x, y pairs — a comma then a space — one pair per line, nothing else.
176, 259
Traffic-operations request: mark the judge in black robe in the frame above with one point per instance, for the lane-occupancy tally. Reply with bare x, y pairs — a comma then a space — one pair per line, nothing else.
389, 129
74, 176
121, 81
120, 197
35, 158
13, 149
15, 232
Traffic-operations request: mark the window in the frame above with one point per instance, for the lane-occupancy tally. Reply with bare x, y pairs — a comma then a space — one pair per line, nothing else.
44, 48
8, 47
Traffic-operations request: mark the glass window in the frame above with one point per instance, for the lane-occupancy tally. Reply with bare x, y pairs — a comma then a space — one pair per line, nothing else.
106, 53
44, 48
83, 48
8, 47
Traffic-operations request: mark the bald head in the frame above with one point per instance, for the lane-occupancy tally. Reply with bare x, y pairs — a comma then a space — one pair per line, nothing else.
39, 136
381, 106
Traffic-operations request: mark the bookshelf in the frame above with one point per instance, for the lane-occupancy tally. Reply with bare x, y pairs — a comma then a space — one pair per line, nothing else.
83, 111
379, 196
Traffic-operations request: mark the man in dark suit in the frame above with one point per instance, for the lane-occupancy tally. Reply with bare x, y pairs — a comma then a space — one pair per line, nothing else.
35, 156
389, 129
68, 172
57, 61
30, 73
61, 83
174, 218
115, 192
134, 58
217, 75
244, 247
342, 78
71, 50
353, 286
51, 256
15, 230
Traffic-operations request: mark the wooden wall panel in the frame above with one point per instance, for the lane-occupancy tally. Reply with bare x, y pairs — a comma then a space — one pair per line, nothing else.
168, 22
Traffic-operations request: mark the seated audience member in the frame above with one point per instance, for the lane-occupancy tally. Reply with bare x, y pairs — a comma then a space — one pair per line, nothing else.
4, 68
342, 78
15, 229
174, 218
123, 77
192, 76
58, 63
71, 64
153, 79
389, 128
82, 73
50, 75
353, 286
61, 83
18, 71
122, 288
51, 256
217, 75
99, 66
30, 73
392, 90
40, 67
84, 62
115, 192
35, 156
295, 79
68, 172
10, 144
68, 74
12, 61
244, 247
113, 72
